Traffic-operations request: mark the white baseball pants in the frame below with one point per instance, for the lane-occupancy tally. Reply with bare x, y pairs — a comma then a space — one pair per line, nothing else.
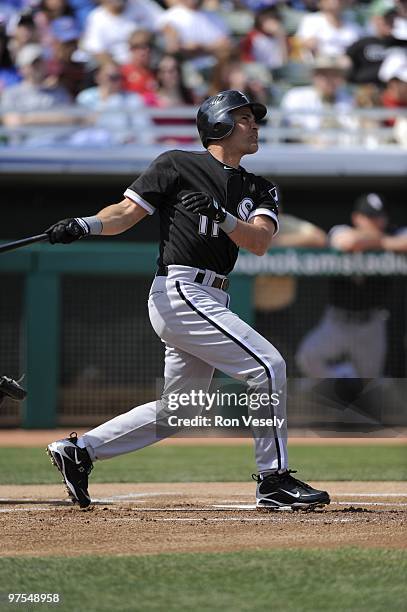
200, 334
361, 343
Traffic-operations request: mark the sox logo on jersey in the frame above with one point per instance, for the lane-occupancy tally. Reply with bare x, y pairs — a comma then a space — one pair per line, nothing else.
244, 208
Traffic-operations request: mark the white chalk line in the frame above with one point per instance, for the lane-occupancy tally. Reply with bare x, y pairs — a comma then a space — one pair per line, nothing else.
134, 497
138, 498
24, 504
341, 495
333, 503
214, 508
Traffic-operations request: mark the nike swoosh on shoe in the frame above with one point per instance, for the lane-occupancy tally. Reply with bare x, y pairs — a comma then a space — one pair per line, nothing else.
296, 495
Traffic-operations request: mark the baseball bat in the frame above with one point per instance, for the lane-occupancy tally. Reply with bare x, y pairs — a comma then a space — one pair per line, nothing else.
17, 244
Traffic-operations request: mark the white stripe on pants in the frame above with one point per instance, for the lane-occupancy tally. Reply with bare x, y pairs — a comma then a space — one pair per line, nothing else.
200, 334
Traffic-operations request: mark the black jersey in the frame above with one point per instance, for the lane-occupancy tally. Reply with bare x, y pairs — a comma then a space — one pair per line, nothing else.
190, 239
367, 55
361, 293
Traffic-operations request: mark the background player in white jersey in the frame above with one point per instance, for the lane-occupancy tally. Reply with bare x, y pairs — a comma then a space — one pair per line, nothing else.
209, 206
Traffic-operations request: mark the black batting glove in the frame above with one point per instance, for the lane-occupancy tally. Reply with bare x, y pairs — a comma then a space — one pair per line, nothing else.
67, 231
204, 204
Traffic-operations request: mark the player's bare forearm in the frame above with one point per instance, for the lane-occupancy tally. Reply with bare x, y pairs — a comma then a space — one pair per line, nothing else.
355, 240
118, 218
309, 237
398, 244
255, 236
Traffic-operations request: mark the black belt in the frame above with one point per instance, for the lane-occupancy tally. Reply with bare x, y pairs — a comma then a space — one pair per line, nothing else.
218, 282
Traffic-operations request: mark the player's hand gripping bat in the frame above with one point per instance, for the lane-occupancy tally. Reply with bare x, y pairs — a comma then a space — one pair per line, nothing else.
64, 231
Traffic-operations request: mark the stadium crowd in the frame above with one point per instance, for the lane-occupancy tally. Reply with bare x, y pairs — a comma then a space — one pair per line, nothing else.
87, 66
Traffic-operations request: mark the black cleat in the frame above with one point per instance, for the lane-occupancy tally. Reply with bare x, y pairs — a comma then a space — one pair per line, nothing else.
75, 466
284, 492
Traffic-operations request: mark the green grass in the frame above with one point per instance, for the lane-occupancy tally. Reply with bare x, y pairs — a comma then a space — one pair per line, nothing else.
214, 463
348, 579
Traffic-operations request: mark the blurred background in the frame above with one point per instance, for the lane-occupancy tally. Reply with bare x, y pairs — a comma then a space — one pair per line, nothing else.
91, 92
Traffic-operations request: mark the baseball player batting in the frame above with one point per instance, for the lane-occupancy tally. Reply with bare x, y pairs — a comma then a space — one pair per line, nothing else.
209, 206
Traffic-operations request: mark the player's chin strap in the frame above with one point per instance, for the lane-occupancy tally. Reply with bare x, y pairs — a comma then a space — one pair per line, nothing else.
12, 388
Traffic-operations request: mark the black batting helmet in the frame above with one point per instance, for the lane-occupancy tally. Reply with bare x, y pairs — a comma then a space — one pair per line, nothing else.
214, 119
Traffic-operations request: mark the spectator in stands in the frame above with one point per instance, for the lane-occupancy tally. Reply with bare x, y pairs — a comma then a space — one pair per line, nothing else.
368, 53
34, 101
395, 60
305, 5
327, 93
400, 22
48, 11
24, 32
64, 65
258, 5
8, 72
118, 117
292, 12
266, 43
109, 26
393, 72
9, 13
327, 32
171, 90
82, 8
138, 74
171, 93
230, 73
350, 340
193, 32
366, 130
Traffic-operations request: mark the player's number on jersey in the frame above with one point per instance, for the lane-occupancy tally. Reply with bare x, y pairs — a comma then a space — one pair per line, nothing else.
204, 223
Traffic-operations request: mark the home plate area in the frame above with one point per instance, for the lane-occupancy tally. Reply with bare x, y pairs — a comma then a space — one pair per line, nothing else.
163, 517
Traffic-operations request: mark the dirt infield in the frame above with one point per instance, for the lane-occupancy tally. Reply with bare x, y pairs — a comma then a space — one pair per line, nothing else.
191, 517
151, 518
